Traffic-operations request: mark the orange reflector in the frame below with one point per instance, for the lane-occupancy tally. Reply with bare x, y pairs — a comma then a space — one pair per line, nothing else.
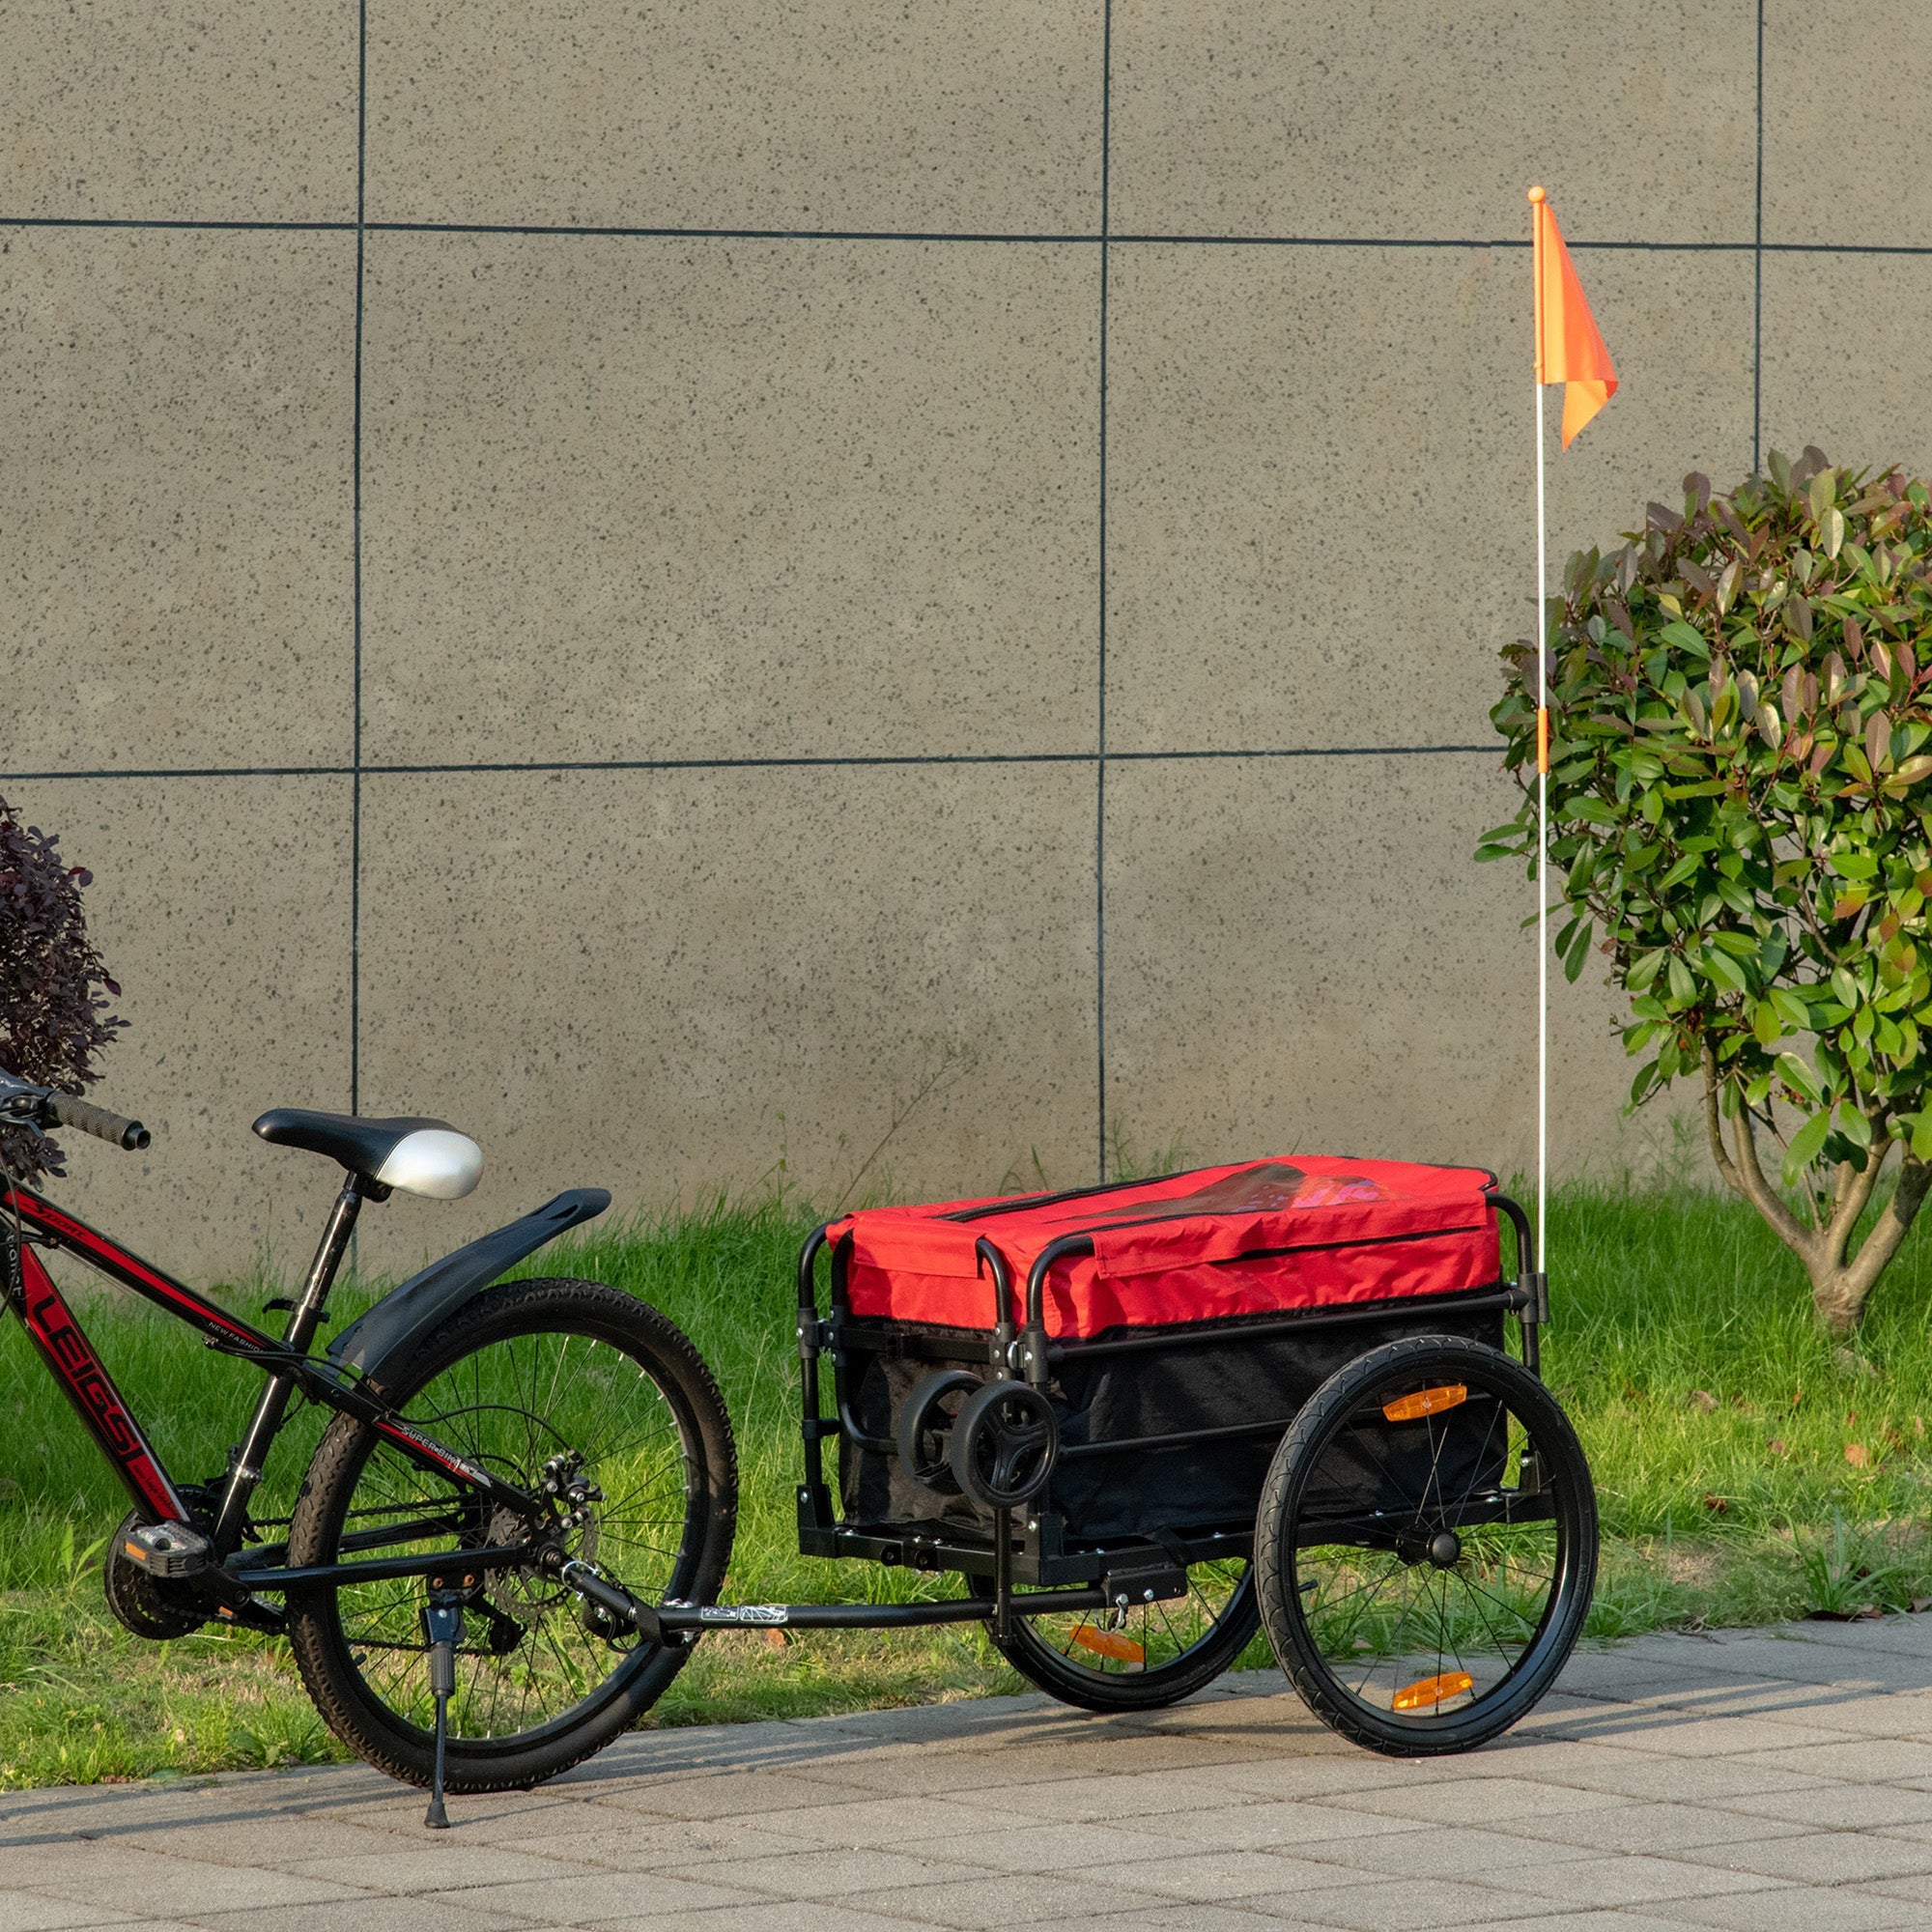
1105, 1643
1433, 1691
1425, 1401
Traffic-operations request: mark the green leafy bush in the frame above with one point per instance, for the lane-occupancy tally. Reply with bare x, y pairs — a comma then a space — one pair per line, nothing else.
1741, 725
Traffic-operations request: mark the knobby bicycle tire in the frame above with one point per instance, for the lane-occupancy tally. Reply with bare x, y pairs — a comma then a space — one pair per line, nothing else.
479, 1380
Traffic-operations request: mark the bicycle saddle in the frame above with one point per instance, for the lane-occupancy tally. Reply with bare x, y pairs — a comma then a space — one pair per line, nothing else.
419, 1157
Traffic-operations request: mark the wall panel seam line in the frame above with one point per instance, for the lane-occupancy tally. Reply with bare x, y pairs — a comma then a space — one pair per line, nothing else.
355, 543
612, 232
209, 225
1111, 240
884, 760
1426, 242
1101, 735
1757, 268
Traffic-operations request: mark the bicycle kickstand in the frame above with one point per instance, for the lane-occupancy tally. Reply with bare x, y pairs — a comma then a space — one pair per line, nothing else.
444, 1622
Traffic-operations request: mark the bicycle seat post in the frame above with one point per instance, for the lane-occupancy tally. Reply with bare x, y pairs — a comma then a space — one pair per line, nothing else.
303, 1319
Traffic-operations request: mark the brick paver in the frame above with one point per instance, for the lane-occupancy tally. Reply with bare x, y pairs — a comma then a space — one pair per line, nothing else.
1767, 1779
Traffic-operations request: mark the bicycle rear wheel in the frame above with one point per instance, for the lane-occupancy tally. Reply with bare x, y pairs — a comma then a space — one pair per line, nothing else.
569, 1379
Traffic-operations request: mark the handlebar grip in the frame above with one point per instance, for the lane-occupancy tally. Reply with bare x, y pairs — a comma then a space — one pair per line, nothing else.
98, 1121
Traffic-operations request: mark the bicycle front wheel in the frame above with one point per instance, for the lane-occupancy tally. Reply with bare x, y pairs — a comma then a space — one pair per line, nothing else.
567, 1383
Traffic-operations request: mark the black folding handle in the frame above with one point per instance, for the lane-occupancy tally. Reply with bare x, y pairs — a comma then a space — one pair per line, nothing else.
70, 1112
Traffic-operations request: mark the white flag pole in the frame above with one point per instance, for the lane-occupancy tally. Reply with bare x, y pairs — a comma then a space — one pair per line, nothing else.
1537, 204
1541, 872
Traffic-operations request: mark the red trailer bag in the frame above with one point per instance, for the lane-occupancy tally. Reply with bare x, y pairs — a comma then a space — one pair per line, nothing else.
1261, 1277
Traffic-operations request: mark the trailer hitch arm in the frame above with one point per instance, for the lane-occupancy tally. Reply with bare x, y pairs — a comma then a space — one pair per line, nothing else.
670, 1622
588, 1580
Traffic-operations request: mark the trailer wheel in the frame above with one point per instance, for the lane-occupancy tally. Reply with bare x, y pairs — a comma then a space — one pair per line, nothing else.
1426, 1545
1141, 1659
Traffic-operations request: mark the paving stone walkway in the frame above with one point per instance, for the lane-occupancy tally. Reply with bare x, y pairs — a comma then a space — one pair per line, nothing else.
1756, 1780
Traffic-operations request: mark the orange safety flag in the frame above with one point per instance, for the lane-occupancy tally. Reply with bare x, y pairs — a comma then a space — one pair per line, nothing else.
1568, 348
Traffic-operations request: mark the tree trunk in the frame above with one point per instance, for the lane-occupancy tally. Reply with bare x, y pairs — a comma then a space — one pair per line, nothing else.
1838, 1302
1841, 1283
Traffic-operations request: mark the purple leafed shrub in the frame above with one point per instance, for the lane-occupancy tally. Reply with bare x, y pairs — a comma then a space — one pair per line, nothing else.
54, 986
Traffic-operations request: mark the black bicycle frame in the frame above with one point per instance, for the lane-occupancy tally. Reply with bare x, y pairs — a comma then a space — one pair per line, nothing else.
71, 1358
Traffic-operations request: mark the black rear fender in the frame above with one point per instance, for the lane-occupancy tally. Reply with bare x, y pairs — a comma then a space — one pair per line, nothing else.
412, 1310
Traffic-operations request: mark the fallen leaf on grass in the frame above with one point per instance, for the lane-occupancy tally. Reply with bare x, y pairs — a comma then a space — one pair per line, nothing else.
776, 1640
1921, 1603
1717, 1505
1858, 1455
1776, 1446
1704, 1402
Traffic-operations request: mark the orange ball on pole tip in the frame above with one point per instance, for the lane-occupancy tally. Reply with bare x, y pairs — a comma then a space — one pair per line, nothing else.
1537, 194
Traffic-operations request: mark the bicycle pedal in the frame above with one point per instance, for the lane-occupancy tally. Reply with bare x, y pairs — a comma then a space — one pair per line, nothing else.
167, 1548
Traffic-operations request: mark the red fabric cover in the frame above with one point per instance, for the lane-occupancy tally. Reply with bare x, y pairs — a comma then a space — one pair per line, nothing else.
1246, 1240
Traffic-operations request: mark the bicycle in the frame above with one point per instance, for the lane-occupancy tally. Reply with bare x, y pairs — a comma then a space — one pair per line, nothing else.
498, 1449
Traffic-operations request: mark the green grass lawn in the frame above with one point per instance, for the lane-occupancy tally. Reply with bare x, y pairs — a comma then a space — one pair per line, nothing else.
1746, 1469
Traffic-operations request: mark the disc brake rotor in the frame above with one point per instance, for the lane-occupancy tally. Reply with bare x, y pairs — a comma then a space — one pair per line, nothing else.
524, 1593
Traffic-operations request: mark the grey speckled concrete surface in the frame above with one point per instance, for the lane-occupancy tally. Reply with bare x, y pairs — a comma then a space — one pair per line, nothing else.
1757, 1781
977, 448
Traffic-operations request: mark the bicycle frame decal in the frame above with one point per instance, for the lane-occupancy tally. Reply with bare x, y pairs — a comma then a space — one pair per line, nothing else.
88, 1245
91, 1389
446, 1460
80, 1373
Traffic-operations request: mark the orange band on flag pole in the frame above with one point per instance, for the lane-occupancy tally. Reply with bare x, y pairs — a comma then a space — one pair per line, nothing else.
1543, 739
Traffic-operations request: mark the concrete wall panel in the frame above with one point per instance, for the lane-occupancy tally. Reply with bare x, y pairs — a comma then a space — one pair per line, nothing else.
979, 116
180, 110
1334, 118
1322, 513
1847, 358
178, 420
704, 499
1847, 120
1300, 956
